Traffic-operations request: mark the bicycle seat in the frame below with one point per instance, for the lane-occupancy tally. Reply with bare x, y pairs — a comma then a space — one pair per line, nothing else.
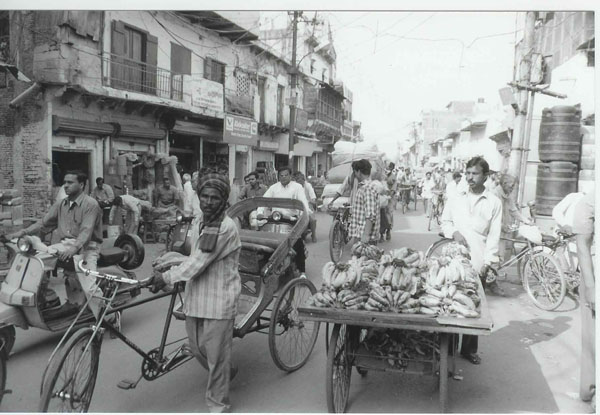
110, 256
267, 239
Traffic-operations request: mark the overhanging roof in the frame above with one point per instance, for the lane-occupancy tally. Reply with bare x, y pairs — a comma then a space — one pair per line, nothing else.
215, 21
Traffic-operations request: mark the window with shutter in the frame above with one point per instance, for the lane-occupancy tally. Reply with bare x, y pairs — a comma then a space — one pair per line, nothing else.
150, 74
214, 70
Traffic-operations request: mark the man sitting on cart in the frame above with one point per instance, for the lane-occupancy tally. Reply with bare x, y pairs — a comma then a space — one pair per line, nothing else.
213, 288
474, 219
287, 189
365, 219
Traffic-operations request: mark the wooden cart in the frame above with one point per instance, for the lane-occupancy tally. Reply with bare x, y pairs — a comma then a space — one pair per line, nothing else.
346, 346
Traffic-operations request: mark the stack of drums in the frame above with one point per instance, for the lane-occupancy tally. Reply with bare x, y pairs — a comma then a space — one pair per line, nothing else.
588, 159
560, 155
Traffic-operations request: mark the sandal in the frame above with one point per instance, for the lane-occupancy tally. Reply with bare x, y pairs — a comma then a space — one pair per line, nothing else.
472, 357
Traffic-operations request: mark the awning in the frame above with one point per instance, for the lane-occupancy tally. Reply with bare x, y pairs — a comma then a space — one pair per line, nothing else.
198, 130
305, 146
134, 131
71, 125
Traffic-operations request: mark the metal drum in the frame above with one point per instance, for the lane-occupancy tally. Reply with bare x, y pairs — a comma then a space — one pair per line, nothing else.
560, 134
555, 180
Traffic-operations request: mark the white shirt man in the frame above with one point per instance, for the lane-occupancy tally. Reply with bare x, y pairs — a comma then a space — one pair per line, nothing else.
188, 195
133, 206
287, 189
564, 212
475, 220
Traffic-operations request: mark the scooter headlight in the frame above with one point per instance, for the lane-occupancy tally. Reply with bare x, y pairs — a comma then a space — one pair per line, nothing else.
276, 216
24, 245
179, 218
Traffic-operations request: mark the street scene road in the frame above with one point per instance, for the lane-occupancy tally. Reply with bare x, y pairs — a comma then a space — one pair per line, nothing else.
530, 362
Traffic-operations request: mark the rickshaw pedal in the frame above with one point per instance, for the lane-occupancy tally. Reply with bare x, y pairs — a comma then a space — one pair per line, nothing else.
127, 384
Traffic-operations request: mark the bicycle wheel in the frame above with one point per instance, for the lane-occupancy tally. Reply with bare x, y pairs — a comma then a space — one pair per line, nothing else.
336, 241
291, 341
438, 213
71, 377
544, 281
435, 250
339, 370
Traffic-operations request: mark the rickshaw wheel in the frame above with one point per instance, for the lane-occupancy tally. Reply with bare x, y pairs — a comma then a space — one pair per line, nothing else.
69, 384
339, 370
291, 341
7, 339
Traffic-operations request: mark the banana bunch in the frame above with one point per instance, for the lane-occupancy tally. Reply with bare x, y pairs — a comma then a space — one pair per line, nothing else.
447, 301
337, 276
323, 298
351, 300
455, 249
361, 249
384, 298
445, 270
369, 269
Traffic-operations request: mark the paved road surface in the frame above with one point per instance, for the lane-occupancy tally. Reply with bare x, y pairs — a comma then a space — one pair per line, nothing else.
530, 362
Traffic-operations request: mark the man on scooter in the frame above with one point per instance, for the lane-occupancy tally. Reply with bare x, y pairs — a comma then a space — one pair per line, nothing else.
77, 220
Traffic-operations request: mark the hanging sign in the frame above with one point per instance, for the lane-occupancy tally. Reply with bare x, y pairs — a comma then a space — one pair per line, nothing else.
240, 130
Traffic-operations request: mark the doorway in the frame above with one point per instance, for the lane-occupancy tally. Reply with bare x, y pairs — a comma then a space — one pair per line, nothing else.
63, 161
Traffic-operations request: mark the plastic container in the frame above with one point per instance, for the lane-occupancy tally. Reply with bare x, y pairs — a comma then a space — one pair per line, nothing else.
560, 134
555, 180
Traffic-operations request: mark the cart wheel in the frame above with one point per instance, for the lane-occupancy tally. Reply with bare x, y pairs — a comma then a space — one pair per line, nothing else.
362, 371
336, 241
544, 280
291, 341
339, 370
71, 377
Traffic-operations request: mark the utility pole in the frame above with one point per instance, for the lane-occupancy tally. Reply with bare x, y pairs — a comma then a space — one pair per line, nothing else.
517, 149
294, 79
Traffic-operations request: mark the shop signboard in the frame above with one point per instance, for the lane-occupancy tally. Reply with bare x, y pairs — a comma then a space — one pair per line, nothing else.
207, 94
240, 130
268, 145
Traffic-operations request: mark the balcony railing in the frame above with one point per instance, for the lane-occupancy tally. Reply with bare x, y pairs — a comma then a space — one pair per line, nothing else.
131, 75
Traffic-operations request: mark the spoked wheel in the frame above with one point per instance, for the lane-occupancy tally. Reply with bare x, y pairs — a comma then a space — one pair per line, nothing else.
438, 213
336, 241
339, 369
544, 281
291, 341
71, 377
429, 221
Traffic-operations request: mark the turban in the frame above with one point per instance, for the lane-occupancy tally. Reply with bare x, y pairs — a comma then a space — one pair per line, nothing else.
209, 230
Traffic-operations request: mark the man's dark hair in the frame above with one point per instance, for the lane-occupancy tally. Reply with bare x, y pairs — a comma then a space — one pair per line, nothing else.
391, 166
98, 179
284, 168
117, 201
479, 161
81, 176
252, 173
363, 166
456, 175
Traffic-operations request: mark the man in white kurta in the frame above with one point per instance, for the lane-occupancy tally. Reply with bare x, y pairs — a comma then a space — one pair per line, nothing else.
475, 220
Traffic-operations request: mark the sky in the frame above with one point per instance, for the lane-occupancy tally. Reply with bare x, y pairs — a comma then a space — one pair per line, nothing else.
400, 63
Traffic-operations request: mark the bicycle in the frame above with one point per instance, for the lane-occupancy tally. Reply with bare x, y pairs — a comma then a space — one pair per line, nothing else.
338, 232
436, 210
540, 272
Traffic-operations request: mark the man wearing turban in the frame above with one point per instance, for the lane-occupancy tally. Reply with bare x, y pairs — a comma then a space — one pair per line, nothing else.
213, 287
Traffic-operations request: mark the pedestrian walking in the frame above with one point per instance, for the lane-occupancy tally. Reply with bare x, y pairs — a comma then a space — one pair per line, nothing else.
428, 185
365, 219
213, 287
312, 202
583, 227
475, 220
188, 194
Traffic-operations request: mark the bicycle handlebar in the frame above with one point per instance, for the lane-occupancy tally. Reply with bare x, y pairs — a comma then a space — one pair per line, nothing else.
114, 278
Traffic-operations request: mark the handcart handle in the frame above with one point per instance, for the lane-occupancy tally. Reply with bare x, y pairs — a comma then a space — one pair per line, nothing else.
107, 277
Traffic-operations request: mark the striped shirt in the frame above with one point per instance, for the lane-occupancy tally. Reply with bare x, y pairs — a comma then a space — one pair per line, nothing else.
213, 282
366, 206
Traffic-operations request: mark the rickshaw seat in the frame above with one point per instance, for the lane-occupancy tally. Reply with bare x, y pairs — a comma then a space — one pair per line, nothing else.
259, 249
547, 238
110, 256
268, 239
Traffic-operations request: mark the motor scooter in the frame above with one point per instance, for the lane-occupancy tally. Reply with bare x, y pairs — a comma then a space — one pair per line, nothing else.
177, 240
27, 301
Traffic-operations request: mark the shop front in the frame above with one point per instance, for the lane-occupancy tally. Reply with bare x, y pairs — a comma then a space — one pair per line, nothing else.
197, 144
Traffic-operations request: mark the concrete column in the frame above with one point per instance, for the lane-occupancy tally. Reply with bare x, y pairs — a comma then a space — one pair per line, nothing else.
231, 162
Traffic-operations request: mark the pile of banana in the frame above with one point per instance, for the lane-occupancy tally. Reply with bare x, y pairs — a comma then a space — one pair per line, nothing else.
402, 281
361, 249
